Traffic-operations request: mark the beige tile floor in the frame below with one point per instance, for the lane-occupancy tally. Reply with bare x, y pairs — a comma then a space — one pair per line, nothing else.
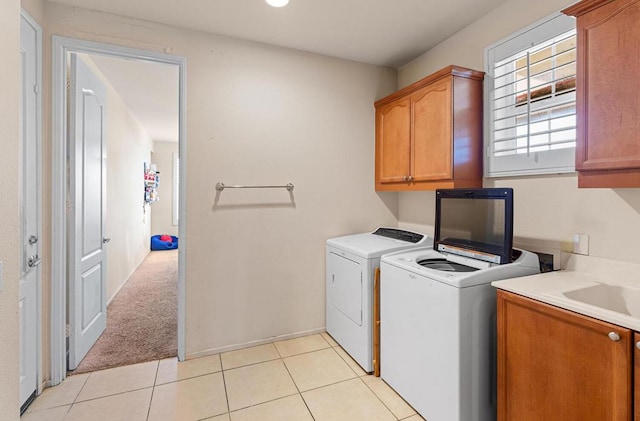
309, 378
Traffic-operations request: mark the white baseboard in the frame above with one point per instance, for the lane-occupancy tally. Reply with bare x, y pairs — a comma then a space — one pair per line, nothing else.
43, 385
227, 348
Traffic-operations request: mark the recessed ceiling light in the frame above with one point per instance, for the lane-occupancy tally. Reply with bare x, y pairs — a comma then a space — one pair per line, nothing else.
277, 3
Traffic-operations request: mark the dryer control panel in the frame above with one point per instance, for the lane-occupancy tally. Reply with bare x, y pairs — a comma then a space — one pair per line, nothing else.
398, 234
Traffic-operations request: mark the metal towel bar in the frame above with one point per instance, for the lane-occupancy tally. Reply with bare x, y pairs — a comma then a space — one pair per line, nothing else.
222, 186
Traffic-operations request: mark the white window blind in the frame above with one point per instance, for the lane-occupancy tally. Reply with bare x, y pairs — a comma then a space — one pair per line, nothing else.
530, 102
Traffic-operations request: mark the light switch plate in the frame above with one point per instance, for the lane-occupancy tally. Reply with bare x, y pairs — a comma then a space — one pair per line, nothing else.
581, 244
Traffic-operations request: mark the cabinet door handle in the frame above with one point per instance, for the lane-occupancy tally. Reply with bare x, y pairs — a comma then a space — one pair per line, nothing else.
405, 178
410, 178
638, 345
614, 336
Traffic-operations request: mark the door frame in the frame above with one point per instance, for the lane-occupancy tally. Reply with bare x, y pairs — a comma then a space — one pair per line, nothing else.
61, 47
27, 17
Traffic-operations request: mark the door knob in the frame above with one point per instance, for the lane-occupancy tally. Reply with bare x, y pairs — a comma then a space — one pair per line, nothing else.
105, 240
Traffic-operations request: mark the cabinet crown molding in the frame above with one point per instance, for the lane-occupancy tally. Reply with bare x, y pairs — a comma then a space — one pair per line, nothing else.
584, 6
447, 71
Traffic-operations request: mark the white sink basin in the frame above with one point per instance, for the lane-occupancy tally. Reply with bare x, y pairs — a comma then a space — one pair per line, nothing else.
621, 299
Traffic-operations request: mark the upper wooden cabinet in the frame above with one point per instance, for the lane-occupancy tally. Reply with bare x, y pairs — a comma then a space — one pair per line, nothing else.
608, 94
429, 134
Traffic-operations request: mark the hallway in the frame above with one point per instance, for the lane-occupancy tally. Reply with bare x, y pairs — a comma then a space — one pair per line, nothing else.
141, 319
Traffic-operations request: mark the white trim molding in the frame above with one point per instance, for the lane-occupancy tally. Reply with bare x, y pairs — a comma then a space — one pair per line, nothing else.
273, 339
61, 46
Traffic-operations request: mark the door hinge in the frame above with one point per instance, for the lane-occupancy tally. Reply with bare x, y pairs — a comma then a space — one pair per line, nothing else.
36, 89
34, 261
488, 151
68, 207
67, 331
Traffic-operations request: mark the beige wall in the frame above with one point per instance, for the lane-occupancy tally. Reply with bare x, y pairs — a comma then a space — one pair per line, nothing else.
256, 115
128, 222
162, 210
35, 9
548, 208
9, 211
466, 48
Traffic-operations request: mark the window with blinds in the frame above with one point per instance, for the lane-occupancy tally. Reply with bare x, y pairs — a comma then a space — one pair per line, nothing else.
531, 101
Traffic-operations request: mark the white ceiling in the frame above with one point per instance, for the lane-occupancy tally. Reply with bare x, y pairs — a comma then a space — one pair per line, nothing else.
381, 32
150, 90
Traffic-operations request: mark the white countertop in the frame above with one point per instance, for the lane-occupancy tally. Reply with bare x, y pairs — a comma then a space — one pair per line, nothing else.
580, 272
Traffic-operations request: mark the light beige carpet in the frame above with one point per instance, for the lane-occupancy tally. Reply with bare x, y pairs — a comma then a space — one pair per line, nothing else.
142, 322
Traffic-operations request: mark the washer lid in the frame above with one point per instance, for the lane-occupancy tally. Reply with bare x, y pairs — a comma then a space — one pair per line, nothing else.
370, 245
526, 264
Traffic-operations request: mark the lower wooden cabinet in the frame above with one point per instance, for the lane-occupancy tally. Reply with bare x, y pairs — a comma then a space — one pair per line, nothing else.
554, 364
636, 375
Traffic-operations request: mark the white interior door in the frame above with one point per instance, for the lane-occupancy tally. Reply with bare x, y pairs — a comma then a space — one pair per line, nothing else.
87, 172
30, 209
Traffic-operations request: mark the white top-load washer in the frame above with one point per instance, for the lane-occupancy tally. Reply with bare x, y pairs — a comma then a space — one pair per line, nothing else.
351, 261
437, 339
438, 343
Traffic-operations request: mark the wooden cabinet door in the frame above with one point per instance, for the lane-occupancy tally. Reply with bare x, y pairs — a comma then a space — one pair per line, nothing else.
393, 142
608, 96
432, 132
636, 375
554, 364
429, 134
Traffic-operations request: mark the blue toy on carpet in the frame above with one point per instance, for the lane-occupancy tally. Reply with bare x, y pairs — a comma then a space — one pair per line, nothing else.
161, 244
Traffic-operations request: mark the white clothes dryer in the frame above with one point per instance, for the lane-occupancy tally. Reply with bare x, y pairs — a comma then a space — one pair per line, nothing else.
351, 261
438, 330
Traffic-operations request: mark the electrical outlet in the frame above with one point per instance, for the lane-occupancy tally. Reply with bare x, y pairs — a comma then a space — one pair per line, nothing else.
581, 244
